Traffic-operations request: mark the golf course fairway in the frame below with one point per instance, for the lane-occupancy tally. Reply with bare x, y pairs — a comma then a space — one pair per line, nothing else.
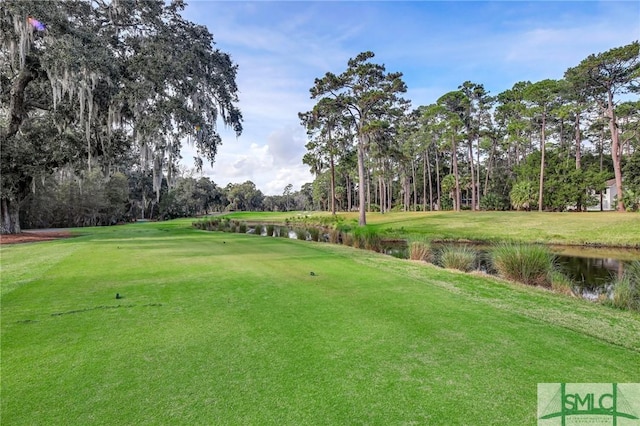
231, 329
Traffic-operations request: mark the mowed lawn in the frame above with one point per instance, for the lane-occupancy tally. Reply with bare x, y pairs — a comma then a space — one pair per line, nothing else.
591, 228
234, 329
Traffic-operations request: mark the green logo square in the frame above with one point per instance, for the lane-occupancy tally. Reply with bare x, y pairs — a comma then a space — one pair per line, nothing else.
565, 404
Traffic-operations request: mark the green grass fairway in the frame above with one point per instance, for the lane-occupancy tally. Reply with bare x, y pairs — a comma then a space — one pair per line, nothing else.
602, 228
230, 329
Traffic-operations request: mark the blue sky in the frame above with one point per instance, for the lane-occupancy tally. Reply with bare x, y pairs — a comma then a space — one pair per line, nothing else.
281, 47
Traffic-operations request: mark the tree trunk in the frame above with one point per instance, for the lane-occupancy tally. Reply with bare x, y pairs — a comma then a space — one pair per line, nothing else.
542, 143
478, 187
578, 142
415, 192
489, 167
333, 185
381, 194
362, 219
349, 204
430, 182
601, 153
454, 160
438, 178
472, 173
390, 194
10, 217
616, 151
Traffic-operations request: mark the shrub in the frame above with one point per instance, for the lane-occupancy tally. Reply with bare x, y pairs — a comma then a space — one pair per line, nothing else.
529, 264
626, 290
493, 201
419, 250
462, 258
270, 229
347, 239
242, 228
357, 240
301, 234
368, 238
561, 283
283, 232
314, 233
334, 236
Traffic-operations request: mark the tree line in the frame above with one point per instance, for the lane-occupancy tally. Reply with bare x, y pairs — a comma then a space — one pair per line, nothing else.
547, 145
97, 98
66, 200
94, 90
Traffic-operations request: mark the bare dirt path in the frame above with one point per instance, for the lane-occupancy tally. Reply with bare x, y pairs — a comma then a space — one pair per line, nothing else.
32, 236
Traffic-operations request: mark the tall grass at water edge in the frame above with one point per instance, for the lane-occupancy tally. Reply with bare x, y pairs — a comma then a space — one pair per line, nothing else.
626, 289
463, 258
420, 250
529, 264
314, 233
270, 229
368, 238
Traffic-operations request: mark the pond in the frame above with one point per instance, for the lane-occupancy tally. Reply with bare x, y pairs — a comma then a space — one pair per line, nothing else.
592, 269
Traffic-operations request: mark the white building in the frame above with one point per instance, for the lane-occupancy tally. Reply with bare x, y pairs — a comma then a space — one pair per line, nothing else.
608, 197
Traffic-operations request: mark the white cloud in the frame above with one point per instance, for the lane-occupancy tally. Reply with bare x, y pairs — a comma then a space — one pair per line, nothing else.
286, 145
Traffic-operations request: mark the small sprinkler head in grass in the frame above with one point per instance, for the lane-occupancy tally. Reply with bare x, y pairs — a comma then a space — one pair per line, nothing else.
313, 274
118, 296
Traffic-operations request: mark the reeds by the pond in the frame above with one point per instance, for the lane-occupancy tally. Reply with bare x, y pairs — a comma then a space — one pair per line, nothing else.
529, 264
314, 233
626, 289
420, 250
368, 238
462, 258
270, 229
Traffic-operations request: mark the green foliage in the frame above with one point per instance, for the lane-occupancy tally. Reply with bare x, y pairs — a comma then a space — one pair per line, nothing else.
493, 201
244, 196
301, 234
283, 232
77, 200
367, 237
348, 239
626, 290
270, 229
565, 185
632, 171
79, 88
523, 195
448, 187
528, 264
463, 258
314, 233
631, 199
560, 283
334, 236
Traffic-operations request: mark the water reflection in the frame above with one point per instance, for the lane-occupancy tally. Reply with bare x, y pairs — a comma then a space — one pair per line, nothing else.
590, 273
